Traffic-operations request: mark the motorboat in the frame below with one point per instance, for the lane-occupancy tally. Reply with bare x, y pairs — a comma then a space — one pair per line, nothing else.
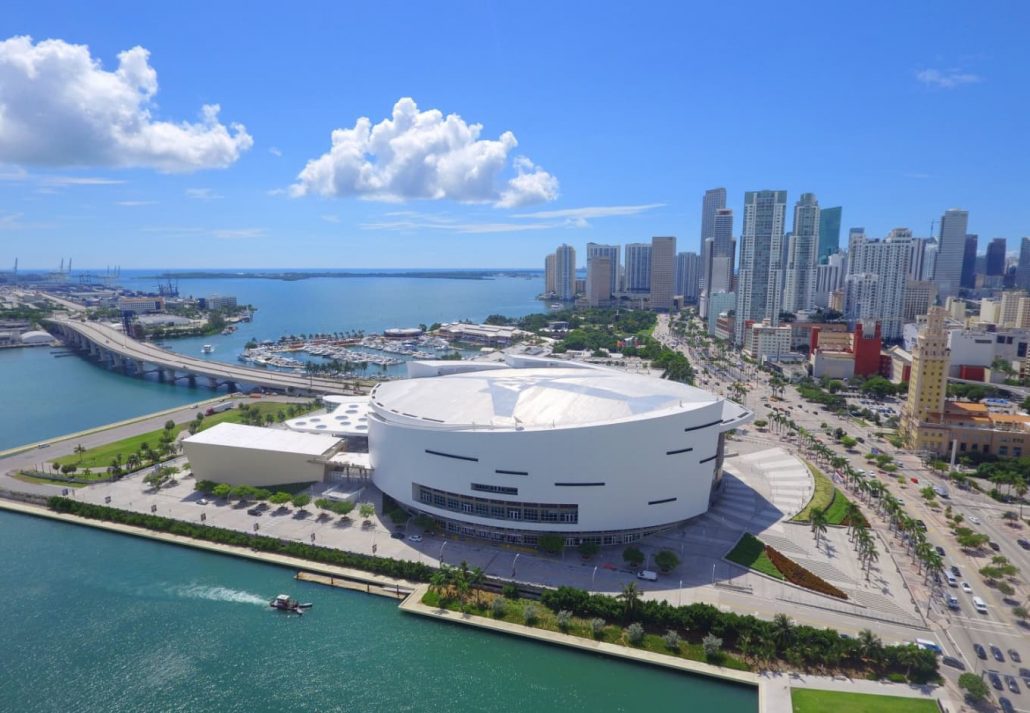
282, 602
207, 348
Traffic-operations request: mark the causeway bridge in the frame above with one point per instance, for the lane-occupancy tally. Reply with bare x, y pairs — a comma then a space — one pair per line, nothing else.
112, 348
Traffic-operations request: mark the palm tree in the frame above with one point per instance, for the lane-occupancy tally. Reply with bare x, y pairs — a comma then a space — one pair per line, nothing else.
782, 631
853, 515
630, 597
869, 645
819, 524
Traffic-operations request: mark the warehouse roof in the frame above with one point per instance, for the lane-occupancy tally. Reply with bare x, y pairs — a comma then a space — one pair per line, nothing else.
234, 435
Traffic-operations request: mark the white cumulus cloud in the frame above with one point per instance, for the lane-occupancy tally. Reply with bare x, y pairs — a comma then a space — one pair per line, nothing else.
424, 155
946, 78
60, 107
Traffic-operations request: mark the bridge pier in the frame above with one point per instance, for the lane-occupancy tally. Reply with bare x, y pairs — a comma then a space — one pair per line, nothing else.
231, 385
192, 380
212, 382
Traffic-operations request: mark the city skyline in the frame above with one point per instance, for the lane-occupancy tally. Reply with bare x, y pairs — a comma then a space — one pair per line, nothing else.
265, 180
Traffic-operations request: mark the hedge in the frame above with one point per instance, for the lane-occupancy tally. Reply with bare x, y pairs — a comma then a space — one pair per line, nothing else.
814, 647
399, 569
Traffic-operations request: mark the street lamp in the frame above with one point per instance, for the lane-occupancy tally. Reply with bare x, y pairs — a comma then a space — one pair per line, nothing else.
679, 594
517, 555
256, 528
441, 551
592, 576
312, 538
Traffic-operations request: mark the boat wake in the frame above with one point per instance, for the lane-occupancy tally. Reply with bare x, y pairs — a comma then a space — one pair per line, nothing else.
220, 594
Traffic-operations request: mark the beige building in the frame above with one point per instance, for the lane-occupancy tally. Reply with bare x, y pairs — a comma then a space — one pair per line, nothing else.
598, 287
927, 384
766, 342
1009, 308
263, 457
930, 423
919, 297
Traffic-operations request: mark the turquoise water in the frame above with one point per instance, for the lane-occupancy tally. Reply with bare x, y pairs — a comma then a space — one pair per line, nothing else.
103, 622
42, 396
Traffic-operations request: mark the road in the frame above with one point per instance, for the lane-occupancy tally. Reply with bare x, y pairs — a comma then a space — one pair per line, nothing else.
956, 631
110, 339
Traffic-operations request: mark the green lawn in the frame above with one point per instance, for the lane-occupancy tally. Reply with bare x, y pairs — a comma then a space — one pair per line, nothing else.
808, 700
750, 552
821, 497
100, 457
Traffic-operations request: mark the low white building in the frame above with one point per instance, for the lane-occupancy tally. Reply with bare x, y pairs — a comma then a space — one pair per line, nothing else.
250, 455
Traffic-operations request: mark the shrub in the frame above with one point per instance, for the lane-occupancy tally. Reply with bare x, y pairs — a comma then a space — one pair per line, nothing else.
635, 633
510, 591
666, 560
498, 607
597, 627
551, 544
973, 685
564, 619
895, 677
633, 556
205, 486
588, 549
796, 574
672, 640
712, 645
529, 615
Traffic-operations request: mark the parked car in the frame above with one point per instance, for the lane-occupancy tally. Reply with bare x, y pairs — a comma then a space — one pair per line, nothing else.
994, 545
1010, 681
981, 652
1006, 705
974, 519
1024, 543
955, 571
966, 588
414, 538
995, 680
1014, 655
397, 535
953, 662
940, 551
996, 653
648, 575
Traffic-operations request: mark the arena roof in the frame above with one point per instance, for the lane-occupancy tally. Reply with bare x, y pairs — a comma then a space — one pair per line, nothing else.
536, 398
235, 435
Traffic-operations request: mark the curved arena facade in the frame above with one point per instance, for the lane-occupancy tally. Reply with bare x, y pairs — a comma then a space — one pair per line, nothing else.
545, 446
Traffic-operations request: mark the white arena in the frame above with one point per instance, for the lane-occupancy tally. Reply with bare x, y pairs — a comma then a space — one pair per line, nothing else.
547, 446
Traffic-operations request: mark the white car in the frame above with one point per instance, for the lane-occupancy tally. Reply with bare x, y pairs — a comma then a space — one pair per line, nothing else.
966, 588
414, 538
202, 501
974, 519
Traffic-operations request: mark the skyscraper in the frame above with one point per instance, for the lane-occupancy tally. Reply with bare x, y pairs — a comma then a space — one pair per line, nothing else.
877, 275
688, 276
799, 270
996, 257
598, 289
951, 252
758, 284
717, 255
923, 258
550, 283
663, 272
829, 278
612, 253
1023, 268
638, 267
969, 263
829, 232
714, 200
565, 272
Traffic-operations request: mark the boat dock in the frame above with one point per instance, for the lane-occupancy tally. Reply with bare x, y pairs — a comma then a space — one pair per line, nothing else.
370, 586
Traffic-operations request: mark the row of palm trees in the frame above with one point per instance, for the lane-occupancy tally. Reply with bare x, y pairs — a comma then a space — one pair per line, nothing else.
875, 494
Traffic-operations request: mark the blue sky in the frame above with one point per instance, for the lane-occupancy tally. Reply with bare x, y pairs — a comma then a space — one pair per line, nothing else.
623, 114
